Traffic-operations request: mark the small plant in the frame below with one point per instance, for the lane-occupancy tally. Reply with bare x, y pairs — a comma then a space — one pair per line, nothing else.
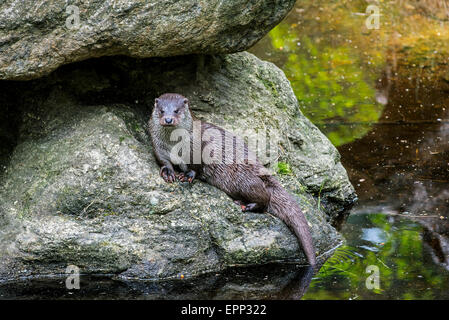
283, 168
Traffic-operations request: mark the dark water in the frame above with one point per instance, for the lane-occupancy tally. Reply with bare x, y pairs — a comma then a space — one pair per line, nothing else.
270, 282
382, 97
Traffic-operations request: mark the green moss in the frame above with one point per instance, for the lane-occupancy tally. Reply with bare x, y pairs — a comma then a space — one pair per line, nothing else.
283, 168
270, 85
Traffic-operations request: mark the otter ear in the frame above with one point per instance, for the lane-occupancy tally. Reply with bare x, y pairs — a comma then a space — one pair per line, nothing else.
186, 101
156, 101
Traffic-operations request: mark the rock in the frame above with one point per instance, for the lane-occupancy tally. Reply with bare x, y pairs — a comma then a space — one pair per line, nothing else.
82, 186
36, 37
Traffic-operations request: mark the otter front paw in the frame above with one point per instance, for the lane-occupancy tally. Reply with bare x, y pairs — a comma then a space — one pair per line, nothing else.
187, 177
167, 174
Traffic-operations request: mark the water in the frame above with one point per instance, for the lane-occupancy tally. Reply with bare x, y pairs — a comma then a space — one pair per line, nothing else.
396, 246
382, 97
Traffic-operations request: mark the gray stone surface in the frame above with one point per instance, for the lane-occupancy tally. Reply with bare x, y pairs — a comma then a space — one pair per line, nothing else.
82, 186
37, 36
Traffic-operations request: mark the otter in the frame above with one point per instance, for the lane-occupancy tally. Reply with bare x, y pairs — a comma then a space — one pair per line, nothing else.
247, 182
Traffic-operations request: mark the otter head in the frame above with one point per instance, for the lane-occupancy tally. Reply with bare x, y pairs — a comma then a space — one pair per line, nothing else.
172, 110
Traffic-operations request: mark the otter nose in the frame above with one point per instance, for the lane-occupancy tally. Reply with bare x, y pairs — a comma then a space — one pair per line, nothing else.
168, 120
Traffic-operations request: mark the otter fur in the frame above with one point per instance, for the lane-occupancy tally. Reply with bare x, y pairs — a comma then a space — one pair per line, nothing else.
247, 182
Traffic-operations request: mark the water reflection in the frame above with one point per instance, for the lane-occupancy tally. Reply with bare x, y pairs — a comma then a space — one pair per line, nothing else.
334, 79
382, 97
269, 282
395, 245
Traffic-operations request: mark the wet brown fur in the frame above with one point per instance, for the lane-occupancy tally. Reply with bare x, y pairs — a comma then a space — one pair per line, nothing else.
248, 183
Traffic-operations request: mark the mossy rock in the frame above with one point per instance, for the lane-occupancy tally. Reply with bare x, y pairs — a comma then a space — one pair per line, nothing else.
82, 186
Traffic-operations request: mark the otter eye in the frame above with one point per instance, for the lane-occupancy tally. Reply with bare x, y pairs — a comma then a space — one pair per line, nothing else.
176, 111
162, 111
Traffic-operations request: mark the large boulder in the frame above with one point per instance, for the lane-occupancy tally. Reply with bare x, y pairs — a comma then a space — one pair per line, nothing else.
36, 37
82, 186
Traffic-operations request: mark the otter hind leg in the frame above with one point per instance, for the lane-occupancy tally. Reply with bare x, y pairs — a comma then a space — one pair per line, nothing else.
255, 196
241, 204
253, 207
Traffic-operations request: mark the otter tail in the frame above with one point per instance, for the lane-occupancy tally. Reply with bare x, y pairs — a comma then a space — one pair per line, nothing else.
284, 206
